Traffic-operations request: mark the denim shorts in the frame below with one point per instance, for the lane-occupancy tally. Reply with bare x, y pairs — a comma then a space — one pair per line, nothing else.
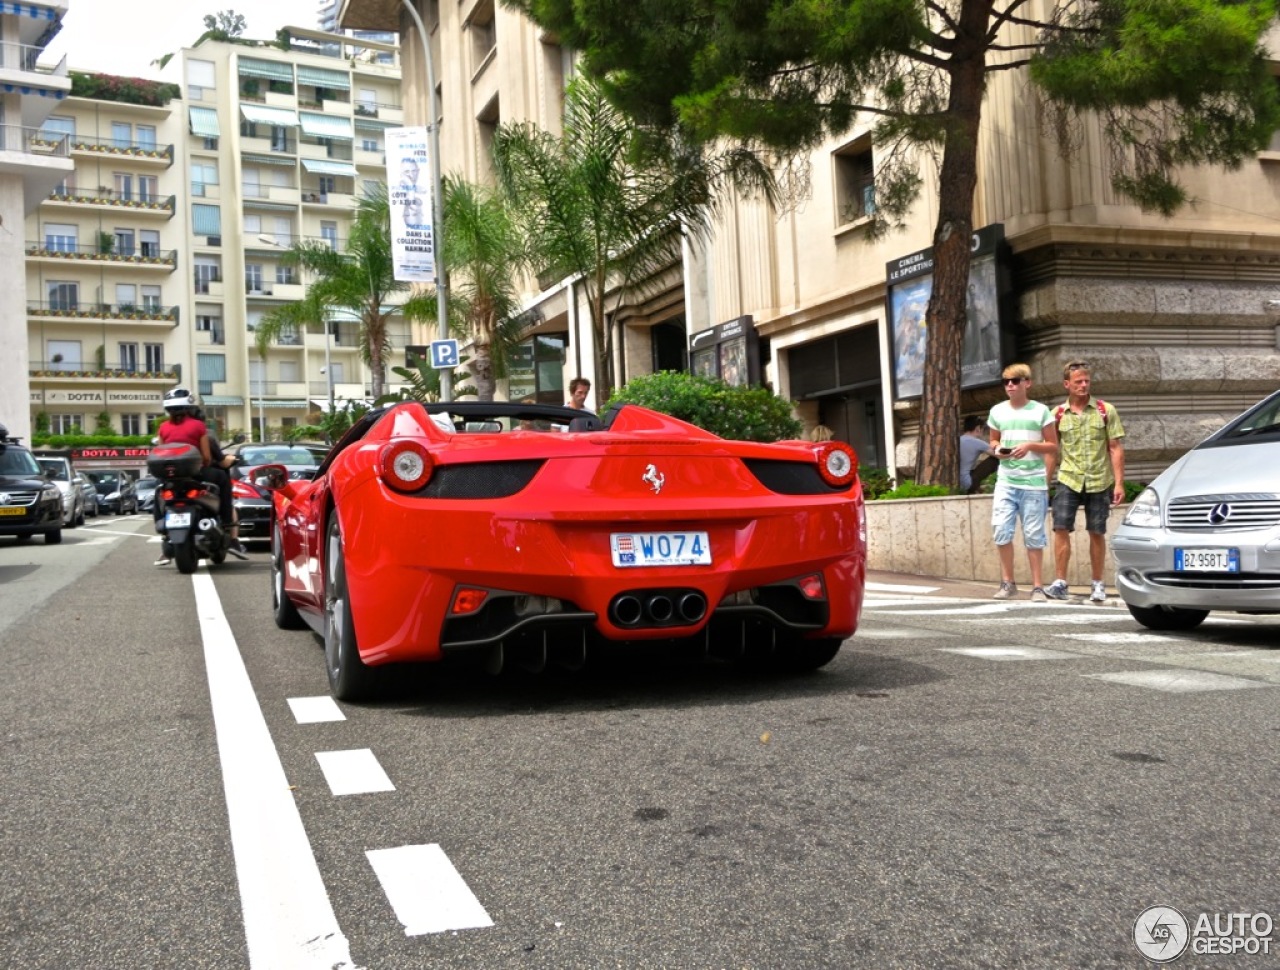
1008, 504
1067, 502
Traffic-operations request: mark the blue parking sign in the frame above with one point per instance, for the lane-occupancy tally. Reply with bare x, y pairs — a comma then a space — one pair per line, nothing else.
444, 354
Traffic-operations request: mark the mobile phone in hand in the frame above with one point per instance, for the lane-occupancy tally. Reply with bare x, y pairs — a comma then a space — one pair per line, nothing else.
1004, 452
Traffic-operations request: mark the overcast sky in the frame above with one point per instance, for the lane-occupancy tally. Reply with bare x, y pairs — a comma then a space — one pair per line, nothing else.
125, 36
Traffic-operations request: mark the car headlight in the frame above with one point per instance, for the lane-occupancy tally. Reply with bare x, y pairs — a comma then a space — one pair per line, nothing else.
51, 491
113, 497
1144, 512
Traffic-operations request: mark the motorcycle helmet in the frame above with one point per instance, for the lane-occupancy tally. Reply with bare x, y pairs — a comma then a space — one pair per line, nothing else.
178, 400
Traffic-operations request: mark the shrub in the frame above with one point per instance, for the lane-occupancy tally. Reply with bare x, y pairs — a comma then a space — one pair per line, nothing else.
737, 413
912, 490
1133, 489
875, 482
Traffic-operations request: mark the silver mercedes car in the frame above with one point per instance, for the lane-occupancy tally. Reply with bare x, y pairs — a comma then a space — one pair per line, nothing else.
1206, 534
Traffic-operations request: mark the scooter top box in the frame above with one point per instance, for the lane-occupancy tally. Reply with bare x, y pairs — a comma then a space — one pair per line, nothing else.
167, 462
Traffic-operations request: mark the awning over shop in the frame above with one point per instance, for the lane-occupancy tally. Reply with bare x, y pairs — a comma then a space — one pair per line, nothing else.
204, 122
262, 115
324, 167
271, 70
322, 77
221, 401
322, 126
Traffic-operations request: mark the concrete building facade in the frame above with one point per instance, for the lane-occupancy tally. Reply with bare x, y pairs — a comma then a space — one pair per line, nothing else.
151, 264
1178, 316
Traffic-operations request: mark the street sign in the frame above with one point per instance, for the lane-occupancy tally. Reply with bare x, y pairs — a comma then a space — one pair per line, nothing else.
444, 353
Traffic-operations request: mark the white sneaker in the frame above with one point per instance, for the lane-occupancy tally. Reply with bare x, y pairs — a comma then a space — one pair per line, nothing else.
1006, 591
1057, 590
1099, 593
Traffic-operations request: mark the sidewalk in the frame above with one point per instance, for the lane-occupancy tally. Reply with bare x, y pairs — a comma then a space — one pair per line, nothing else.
968, 589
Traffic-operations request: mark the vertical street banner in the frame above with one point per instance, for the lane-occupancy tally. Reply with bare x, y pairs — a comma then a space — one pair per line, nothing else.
409, 191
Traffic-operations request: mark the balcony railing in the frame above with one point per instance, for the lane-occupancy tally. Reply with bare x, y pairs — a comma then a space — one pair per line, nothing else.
102, 311
56, 249
202, 282
105, 196
75, 370
120, 146
33, 141
23, 57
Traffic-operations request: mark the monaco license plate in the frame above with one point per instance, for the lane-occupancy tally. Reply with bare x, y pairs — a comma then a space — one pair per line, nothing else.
660, 549
1206, 560
177, 520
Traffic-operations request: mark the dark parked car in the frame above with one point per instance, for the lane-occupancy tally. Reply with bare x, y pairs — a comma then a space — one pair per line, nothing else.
146, 489
117, 492
89, 493
254, 507
29, 502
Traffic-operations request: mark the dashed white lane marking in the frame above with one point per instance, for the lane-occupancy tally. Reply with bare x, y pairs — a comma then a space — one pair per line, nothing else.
353, 772
874, 631
1120, 636
288, 918
1178, 681
426, 891
900, 588
1012, 653
315, 710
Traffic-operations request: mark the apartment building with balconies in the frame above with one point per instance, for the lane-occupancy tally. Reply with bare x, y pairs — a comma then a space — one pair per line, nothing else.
1179, 317
104, 312
31, 165
279, 146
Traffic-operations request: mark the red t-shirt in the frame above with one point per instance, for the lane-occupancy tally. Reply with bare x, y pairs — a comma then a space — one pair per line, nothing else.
188, 431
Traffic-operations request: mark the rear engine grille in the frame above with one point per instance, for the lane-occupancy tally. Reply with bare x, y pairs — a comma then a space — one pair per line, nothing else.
791, 477
480, 480
1224, 513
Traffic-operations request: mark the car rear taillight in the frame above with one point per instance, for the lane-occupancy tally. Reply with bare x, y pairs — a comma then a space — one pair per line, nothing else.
242, 489
837, 463
405, 465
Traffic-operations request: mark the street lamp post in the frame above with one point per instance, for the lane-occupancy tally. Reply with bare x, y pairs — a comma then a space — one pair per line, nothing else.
437, 199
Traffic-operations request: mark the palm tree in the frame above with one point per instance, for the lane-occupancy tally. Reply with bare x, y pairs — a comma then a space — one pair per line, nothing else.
610, 203
361, 279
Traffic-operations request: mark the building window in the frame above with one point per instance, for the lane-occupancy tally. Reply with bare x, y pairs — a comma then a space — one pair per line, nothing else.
203, 175
206, 273
126, 294
210, 369
124, 242
149, 242
206, 220
535, 373
60, 238
253, 277
329, 234
148, 188
289, 372
63, 296
201, 76
121, 134
55, 128
131, 424
147, 137
855, 181
128, 357
484, 36
65, 423
151, 296
154, 354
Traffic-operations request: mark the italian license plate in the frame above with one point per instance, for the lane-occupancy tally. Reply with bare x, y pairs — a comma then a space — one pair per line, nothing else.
1206, 560
13, 511
177, 520
660, 549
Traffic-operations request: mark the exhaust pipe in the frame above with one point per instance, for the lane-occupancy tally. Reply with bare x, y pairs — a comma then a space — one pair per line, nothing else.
693, 607
627, 610
659, 608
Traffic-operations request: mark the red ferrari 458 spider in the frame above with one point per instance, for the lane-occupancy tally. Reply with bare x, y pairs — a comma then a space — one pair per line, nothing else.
520, 533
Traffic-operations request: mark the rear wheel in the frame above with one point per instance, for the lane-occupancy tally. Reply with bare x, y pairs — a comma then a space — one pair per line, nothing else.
350, 679
799, 655
1167, 617
184, 557
282, 608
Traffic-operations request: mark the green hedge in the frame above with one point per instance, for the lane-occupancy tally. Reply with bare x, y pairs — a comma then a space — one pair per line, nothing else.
89, 440
737, 413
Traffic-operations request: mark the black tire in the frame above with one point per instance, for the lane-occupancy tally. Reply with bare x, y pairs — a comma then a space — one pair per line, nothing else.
184, 557
1167, 617
797, 656
24, 538
285, 613
349, 678
53, 537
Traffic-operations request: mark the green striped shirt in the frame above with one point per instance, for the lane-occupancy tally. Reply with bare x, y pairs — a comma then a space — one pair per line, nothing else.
1016, 426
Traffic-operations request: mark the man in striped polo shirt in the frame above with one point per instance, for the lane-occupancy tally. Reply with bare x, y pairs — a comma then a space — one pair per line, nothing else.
1025, 439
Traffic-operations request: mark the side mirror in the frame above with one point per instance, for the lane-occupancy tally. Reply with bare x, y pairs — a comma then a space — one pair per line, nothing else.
271, 477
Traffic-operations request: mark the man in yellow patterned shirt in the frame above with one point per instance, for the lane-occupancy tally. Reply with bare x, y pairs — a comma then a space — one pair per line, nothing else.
1090, 474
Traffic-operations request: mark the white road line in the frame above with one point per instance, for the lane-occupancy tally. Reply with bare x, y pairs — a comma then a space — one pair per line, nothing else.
1012, 653
426, 891
900, 588
315, 710
354, 772
288, 919
1178, 681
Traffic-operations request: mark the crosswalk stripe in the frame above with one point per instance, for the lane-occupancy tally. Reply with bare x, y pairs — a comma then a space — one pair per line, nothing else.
315, 710
354, 772
425, 890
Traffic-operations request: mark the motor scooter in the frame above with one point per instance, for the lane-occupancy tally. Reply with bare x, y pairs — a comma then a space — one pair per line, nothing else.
187, 508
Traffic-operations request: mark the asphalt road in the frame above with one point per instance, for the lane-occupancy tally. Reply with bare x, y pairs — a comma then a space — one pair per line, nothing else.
968, 784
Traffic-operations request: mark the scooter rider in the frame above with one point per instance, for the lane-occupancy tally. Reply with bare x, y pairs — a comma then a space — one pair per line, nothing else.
183, 427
